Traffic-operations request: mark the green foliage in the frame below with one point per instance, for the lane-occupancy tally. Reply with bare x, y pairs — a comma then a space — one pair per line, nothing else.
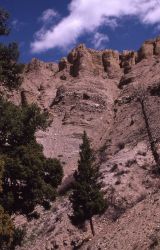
19, 124
1, 173
18, 236
3, 22
6, 226
87, 198
6, 230
10, 69
10, 237
29, 178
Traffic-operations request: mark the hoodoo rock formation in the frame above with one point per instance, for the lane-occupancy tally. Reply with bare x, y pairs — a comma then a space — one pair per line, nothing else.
98, 91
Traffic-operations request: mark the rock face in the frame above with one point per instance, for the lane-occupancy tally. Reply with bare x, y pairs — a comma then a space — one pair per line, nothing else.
146, 51
157, 46
149, 48
98, 91
107, 63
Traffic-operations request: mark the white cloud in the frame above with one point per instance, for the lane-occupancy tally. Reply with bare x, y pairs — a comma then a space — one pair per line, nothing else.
48, 15
100, 40
89, 15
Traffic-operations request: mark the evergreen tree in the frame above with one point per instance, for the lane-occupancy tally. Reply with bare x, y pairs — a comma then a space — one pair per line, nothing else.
4, 15
87, 198
10, 69
6, 225
29, 178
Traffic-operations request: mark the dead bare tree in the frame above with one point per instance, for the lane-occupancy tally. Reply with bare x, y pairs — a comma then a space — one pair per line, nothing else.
142, 96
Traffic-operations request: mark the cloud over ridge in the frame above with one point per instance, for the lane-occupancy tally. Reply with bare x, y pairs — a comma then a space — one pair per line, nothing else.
89, 15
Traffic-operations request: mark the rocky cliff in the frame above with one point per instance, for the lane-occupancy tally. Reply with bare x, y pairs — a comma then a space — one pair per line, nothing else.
98, 91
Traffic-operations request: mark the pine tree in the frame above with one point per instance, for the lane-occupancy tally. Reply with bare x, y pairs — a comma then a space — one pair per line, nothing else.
29, 178
4, 15
6, 225
10, 69
87, 198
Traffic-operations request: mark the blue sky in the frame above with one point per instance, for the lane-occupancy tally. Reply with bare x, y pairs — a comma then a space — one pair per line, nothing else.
49, 29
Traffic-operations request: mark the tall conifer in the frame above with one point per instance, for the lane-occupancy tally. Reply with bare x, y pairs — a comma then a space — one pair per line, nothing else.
87, 198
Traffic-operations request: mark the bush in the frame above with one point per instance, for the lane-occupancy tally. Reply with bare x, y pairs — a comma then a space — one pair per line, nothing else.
18, 237
6, 230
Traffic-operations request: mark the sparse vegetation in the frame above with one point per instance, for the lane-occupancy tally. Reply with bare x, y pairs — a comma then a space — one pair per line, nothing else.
114, 168
130, 162
154, 241
121, 145
18, 236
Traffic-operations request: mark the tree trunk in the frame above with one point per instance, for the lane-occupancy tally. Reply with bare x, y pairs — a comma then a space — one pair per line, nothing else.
92, 227
151, 139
